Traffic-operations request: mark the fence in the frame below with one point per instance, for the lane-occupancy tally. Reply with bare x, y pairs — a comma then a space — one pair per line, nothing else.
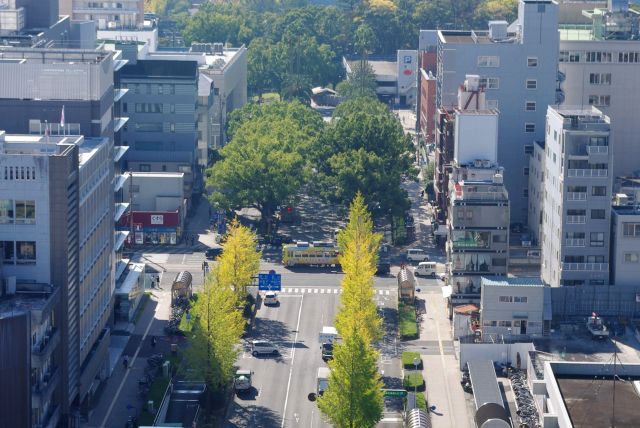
605, 300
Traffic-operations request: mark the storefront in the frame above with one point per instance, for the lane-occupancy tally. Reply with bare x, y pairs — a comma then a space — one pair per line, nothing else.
153, 228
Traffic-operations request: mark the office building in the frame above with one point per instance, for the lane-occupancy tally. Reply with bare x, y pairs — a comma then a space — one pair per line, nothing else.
600, 66
478, 211
58, 228
30, 355
625, 244
123, 14
576, 197
34, 23
517, 65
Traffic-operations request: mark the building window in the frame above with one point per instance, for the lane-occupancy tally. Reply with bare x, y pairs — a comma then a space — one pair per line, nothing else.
631, 229
505, 299
598, 214
489, 323
149, 126
26, 252
532, 84
626, 57
499, 262
631, 257
566, 56
529, 127
520, 299
490, 82
504, 323
172, 127
532, 61
25, 212
124, 107
595, 259
528, 149
600, 100
145, 167
598, 57
600, 78
525, 170
488, 61
597, 239
159, 89
172, 108
8, 252
525, 192
596, 282
6, 211
599, 191
530, 105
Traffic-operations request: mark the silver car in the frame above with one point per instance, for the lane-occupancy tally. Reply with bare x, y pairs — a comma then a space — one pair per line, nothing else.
262, 347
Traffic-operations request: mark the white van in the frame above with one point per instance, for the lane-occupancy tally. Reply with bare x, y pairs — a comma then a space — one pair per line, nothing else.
417, 255
425, 269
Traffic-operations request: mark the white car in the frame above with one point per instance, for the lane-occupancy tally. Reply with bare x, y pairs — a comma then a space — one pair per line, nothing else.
270, 298
425, 269
261, 347
417, 255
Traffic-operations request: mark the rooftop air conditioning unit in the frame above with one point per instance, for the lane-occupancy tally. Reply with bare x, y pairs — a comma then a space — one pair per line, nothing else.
498, 30
498, 179
486, 163
477, 163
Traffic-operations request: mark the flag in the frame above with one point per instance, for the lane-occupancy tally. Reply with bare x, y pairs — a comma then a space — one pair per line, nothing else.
62, 117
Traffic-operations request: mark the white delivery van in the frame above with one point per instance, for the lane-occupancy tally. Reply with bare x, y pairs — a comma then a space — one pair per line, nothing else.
425, 269
417, 255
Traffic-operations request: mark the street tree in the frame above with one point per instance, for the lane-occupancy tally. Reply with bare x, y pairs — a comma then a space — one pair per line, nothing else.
239, 263
353, 398
360, 84
265, 163
218, 326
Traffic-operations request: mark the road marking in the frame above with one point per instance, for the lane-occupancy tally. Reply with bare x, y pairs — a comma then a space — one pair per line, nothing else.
126, 374
444, 373
293, 357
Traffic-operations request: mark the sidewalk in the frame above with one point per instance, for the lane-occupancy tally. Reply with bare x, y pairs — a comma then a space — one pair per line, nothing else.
118, 398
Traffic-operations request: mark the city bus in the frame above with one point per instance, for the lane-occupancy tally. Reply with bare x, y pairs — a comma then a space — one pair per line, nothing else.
306, 254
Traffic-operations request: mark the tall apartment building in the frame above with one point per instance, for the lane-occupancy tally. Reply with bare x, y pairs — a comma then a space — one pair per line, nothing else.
108, 15
600, 65
517, 65
478, 217
58, 228
574, 216
625, 245
30, 355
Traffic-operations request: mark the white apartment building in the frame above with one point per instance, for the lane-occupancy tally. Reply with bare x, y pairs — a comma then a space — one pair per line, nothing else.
123, 14
600, 66
574, 213
625, 245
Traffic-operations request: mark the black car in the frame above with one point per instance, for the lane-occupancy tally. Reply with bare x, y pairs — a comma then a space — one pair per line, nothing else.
212, 253
327, 351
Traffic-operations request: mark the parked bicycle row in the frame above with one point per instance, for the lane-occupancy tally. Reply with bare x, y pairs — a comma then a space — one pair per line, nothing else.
526, 408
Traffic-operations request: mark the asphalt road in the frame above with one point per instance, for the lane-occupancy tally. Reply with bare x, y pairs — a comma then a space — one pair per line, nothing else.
309, 301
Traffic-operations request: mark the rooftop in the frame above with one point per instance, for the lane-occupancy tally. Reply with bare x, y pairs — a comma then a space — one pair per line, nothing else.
630, 210
36, 145
382, 66
206, 58
513, 281
157, 67
28, 297
53, 56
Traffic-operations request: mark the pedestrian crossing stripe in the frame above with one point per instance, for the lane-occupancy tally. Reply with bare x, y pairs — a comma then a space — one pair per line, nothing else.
291, 290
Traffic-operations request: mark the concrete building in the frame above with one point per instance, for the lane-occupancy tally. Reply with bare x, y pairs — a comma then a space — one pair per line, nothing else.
512, 308
161, 106
517, 65
478, 203
34, 23
30, 355
35, 85
600, 66
124, 14
427, 69
625, 245
576, 198
58, 228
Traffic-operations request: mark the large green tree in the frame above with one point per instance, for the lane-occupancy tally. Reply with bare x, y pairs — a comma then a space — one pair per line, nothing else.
264, 165
364, 150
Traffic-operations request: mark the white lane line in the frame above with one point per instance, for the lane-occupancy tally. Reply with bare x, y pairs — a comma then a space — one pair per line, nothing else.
293, 357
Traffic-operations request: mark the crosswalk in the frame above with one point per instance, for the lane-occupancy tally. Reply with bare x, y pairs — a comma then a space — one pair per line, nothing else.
310, 290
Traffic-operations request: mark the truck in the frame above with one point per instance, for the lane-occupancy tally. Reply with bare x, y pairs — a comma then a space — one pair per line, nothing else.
384, 260
322, 380
596, 327
327, 337
242, 380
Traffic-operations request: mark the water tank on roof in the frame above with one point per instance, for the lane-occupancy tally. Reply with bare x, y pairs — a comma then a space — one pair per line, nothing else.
498, 179
498, 30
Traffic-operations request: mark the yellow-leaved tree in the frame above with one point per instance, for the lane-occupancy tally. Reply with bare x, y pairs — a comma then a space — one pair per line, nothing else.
239, 263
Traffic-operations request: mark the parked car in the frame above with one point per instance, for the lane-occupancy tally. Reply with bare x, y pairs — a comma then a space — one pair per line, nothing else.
213, 253
270, 298
262, 347
327, 351
417, 255
425, 269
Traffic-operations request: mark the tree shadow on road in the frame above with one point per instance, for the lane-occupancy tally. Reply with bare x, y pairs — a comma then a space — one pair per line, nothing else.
272, 330
252, 416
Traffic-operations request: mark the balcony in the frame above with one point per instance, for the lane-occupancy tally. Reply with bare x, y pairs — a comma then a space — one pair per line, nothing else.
42, 351
598, 150
43, 389
574, 242
576, 219
576, 196
585, 267
600, 173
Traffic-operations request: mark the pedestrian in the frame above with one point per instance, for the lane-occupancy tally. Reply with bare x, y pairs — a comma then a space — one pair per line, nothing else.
125, 362
153, 341
422, 194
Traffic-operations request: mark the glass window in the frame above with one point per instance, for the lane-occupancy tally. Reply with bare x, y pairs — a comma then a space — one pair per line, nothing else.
598, 214
532, 61
631, 229
488, 61
8, 252
529, 127
6, 211
25, 212
26, 251
530, 106
145, 167
520, 299
149, 126
599, 191
597, 239
600, 100
631, 258
532, 84
505, 299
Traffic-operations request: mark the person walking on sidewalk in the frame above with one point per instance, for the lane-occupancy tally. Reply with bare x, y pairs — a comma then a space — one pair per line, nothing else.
153, 342
125, 362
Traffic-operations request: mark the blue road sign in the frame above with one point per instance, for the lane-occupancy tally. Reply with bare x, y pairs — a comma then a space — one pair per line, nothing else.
269, 281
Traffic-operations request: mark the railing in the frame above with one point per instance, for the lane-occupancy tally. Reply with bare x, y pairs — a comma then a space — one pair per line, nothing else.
576, 196
585, 266
574, 242
41, 347
576, 219
587, 173
598, 150
484, 196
